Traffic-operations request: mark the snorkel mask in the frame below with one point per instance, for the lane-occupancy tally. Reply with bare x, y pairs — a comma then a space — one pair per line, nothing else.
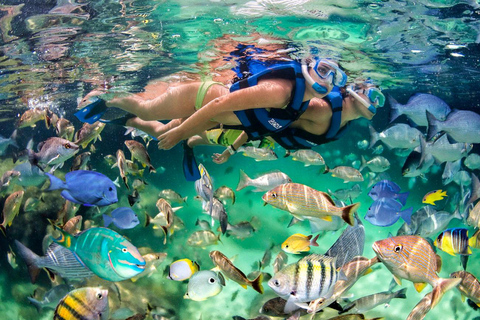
374, 95
327, 70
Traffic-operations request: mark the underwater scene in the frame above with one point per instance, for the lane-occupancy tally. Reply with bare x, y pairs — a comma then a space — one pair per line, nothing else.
220, 159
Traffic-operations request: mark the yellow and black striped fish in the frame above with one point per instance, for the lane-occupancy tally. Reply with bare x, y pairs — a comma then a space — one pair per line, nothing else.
83, 304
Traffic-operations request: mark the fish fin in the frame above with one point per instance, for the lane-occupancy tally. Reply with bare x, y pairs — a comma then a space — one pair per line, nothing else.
407, 215
463, 297
432, 125
348, 211
257, 283
394, 108
244, 180
397, 280
244, 286
327, 218
290, 305
107, 220
53, 159
369, 270
419, 286
55, 183
402, 197
302, 305
292, 222
439, 262
69, 197
30, 259
313, 242
400, 294
373, 136
443, 286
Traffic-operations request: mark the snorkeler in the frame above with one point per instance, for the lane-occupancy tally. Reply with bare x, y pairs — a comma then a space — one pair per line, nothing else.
262, 103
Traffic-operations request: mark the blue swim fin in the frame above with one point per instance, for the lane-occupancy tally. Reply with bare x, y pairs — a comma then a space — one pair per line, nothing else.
190, 167
92, 112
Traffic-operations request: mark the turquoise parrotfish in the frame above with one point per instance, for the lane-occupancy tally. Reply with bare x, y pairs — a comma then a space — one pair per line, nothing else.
105, 252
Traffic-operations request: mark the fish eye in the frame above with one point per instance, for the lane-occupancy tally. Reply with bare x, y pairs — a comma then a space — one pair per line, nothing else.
286, 246
211, 280
276, 283
99, 296
274, 195
407, 169
124, 250
110, 189
398, 248
67, 145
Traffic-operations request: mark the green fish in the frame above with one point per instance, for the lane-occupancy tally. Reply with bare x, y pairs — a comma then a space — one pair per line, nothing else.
105, 252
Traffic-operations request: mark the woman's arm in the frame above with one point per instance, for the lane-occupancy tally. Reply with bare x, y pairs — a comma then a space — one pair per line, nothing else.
225, 155
273, 93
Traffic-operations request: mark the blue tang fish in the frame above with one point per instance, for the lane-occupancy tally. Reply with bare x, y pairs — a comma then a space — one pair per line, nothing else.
388, 189
105, 252
85, 187
386, 211
123, 218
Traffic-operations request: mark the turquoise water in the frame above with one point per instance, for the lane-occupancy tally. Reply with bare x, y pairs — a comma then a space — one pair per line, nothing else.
54, 53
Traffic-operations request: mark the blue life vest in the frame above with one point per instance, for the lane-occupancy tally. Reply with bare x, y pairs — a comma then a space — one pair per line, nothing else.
261, 122
294, 138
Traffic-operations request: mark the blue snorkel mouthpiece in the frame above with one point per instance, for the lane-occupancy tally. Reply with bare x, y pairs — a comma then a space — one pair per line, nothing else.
375, 96
315, 85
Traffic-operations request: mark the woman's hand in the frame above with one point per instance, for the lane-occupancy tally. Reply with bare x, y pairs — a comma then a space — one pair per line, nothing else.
169, 139
221, 158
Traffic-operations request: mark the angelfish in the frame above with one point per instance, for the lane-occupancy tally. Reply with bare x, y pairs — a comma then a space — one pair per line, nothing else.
412, 258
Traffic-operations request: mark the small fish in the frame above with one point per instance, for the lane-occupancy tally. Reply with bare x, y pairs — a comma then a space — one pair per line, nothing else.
445, 151
80, 162
280, 261
51, 298
362, 144
461, 125
259, 154
353, 316
399, 135
139, 152
435, 195
152, 262
139, 185
377, 150
417, 106
12, 258
5, 142
11, 208
386, 211
89, 133
110, 160
122, 218
58, 259
31, 204
217, 212
388, 189
304, 202
264, 182
121, 163
367, 303
454, 241
223, 193
83, 304
204, 284
7, 177
275, 307
472, 161
469, 286
53, 151
88, 188
347, 193
308, 157
182, 269
376, 164
30, 117
172, 196
64, 129
203, 238
240, 230
345, 173
204, 225
105, 252
412, 258
73, 225
232, 272
298, 243
296, 283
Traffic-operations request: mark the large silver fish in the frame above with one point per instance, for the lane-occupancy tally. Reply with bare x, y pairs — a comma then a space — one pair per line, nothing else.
416, 107
400, 135
53, 151
312, 277
345, 173
369, 302
461, 125
264, 182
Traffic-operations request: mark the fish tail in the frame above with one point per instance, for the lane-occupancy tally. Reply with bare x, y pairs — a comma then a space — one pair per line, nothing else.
32, 157
107, 220
165, 233
432, 126
407, 215
394, 108
151, 169
443, 286
287, 153
257, 283
36, 304
348, 211
402, 197
327, 169
313, 242
244, 180
55, 183
363, 165
147, 220
373, 136
30, 259
400, 294
4, 230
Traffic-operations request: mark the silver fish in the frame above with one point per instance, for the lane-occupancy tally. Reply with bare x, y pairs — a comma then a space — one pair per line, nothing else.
203, 239
369, 302
461, 125
241, 230
472, 161
308, 157
89, 133
80, 162
376, 164
399, 135
259, 154
443, 151
5, 142
345, 173
451, 169
64, 129
264, 182
172, 196
421, 308
217, 212
349, 245
153, 261
53, 151
280, 261
275, 307
433, 222
347, 193
7, 177
51, 297
416, 107
223, 193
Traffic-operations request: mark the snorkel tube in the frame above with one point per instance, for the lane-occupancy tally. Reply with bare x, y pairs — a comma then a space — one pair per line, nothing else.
315, 85
367, 105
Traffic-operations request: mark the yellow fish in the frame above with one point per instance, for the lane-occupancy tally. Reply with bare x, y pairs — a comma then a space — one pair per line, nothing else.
83, 304
433, 196
299, 243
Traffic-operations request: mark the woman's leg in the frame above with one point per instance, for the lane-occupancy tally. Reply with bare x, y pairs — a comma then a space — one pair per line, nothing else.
153, 128
175, 102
